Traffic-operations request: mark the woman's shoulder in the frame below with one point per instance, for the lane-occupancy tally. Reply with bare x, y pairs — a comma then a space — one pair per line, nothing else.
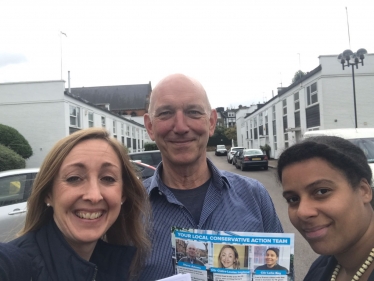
15, 264
321, 269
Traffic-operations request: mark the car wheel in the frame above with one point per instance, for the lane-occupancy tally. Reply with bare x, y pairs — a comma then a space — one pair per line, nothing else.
236, 165
228, 161
266, 167
242, 167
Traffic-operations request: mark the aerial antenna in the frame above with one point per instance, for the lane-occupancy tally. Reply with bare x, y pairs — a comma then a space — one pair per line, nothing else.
349, 36
280, 73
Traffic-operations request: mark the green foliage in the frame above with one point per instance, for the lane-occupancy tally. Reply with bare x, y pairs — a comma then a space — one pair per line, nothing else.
10, 160
230, 133
150, 146
12, 139
266, 147
218, 137
298, 75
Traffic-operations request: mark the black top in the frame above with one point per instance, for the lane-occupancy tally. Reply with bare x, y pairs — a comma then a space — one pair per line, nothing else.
15, 265
275, 267
54, 260
322, 269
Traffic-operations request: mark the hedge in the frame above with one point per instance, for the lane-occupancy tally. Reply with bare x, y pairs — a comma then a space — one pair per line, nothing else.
150, 146
12, 139
10, 160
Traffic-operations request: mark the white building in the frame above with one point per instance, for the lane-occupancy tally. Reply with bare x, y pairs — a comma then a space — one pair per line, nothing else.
323, 99
43, 112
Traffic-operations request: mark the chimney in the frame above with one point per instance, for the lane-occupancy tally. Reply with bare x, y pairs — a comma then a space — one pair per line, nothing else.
69, 82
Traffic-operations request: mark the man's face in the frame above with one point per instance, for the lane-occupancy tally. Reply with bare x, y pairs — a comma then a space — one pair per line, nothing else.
191, 251
180, 121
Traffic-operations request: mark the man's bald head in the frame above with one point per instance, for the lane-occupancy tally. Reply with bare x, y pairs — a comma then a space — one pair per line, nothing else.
179, 83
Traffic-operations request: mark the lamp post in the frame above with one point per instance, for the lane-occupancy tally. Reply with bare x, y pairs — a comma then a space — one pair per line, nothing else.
356, 58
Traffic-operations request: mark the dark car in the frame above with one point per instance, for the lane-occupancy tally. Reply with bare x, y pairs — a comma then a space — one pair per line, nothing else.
251, 158
151, 157
143, 170
236, 154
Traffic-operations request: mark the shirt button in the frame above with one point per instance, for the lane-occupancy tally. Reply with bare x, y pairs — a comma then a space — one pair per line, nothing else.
160, 193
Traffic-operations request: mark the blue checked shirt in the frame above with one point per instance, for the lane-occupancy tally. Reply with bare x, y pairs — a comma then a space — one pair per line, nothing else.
232, 203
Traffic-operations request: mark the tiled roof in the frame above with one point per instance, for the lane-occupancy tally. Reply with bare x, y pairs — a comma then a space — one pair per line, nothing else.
125, 97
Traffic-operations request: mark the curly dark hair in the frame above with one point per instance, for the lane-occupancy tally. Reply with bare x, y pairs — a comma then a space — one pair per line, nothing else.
340, 153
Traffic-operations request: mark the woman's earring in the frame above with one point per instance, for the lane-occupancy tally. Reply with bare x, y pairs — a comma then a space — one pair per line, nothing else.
48, 205
121, 203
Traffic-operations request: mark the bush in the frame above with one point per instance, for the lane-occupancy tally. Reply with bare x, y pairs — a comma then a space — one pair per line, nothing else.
10, 160
150, 146
12, 139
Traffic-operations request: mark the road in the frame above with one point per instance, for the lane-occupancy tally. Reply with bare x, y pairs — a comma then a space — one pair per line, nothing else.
304, 255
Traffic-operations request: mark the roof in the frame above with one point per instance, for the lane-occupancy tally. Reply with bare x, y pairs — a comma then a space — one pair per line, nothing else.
103, 109
125, 97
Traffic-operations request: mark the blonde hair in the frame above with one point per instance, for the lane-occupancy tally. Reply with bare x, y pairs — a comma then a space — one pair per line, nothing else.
236, 264
132, 224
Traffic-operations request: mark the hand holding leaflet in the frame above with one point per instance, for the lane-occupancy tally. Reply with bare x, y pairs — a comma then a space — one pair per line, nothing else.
178, 277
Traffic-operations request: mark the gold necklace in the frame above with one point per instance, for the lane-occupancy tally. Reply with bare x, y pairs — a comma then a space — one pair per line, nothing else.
359, 272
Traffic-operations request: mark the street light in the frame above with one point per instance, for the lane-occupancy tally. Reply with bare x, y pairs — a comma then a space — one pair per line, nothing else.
356, 58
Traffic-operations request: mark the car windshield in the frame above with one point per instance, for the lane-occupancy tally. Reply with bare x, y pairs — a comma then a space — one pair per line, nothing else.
237, 149
253, 152
221, 147
367, 146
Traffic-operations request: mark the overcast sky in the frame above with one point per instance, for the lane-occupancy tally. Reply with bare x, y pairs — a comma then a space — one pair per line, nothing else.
241, 51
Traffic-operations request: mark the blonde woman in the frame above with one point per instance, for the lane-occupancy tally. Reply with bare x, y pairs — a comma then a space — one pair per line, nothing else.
87, 213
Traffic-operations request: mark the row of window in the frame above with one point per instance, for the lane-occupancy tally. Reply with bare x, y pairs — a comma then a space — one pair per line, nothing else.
312, 116
75, 121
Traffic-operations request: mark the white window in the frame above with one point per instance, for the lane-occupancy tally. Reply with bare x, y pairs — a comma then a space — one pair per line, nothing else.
103, 123
284, 104
114, 128
296, 101
312, 94
260, 120
133, 132
274, 112
122, 130
127, 130
75, 116
90, 119
286, 140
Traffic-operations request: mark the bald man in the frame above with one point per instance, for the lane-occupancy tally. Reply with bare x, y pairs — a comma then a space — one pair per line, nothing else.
187, 190
191, 252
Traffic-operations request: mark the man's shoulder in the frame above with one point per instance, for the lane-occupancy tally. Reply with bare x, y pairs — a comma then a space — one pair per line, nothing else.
234, 179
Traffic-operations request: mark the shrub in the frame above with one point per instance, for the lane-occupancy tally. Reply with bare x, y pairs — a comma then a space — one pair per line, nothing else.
150, 146
12, 139
10, 160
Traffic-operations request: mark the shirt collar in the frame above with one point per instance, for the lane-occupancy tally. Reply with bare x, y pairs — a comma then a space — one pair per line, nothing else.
219, 180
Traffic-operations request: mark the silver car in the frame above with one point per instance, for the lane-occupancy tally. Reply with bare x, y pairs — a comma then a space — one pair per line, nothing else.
15, 188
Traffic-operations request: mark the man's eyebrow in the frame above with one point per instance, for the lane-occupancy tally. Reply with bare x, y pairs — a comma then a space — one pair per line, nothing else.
163, 107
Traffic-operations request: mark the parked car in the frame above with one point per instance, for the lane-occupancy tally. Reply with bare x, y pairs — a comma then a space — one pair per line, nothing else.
15, 188
151, 157
251, 158
233, 161
231, 153
362, 137
220, 150
144, 170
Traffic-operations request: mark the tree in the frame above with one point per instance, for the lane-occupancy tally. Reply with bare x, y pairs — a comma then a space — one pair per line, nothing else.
12, 139
10, 160
218, 137
230, 133
298, 75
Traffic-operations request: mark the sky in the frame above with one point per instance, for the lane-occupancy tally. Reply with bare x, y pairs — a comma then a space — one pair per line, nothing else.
241, 51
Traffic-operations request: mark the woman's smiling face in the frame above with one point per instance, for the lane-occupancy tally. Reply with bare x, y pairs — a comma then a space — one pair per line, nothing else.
87, 193
271, 258
228, 258
324, 207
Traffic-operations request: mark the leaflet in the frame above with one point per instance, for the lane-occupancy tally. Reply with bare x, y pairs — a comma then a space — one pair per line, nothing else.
209, 255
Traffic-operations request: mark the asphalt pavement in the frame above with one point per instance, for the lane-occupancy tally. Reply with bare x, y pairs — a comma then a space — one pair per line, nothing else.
273, 163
